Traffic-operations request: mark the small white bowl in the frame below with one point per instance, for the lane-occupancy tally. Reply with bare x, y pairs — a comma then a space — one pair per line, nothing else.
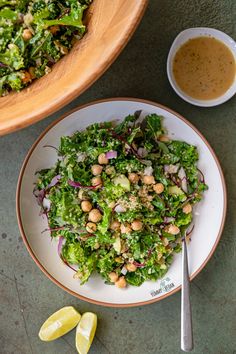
182, 38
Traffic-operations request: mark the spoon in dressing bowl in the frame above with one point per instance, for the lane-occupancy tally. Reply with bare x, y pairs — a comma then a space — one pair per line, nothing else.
186, 312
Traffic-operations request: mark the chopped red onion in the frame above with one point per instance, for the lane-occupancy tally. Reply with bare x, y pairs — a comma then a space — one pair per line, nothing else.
149, 253
79, 185
171, 168
39, 194
139, 265
168, 219
142, 152
54, 181
146, 162
111, 154
44, 215
21, 17
68, 265
183, 178
81, 156
2, 65
119, 208
46, 204
175, 180
189, 232
59, 249
52, 147
119, 137
54, 229
124, 270
148, 171
60, 244
202, 178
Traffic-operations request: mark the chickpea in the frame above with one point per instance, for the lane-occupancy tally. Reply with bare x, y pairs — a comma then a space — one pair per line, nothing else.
131, 267
110, 170
148, 180
137, 225
91, 227
54, 29
121, 282
27, 34
97, 182
96, 170
95, 215
86, 206
133, 177
172, 229
113, 277
26, 78
125, 229
119, 260
115, 225
187, 208
158, 188
164, 138
102, 160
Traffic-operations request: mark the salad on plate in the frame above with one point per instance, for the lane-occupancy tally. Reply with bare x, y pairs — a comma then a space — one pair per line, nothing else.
119, 198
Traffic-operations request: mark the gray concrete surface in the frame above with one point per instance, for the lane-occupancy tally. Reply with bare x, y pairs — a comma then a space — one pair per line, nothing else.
27, 297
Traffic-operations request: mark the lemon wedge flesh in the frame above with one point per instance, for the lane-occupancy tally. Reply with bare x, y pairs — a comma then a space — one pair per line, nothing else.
59, 323
85, 332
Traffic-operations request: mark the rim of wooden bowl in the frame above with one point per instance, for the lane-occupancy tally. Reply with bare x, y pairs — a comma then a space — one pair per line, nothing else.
13, 118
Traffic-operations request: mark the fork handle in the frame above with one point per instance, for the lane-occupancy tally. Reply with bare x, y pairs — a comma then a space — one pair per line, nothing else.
186, 313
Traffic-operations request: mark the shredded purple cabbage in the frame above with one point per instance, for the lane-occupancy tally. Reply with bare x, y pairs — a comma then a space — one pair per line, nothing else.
139, 265
79, 185
55, 229
52, 147
60, 244
54, 181
111, 154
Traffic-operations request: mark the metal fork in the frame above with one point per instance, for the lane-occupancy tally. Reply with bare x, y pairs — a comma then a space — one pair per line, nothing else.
186, 312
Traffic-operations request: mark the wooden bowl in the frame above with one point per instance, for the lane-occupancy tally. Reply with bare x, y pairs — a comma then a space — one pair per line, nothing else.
110, 26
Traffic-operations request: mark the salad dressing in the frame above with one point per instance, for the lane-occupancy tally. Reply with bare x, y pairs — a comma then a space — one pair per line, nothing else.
204, 68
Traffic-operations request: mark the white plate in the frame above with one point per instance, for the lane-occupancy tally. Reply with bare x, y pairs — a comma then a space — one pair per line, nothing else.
209, 214
182, 38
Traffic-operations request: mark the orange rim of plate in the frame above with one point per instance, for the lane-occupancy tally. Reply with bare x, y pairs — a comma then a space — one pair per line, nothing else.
20, 224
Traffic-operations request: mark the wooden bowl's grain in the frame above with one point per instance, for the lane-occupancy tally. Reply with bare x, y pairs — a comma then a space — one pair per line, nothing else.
110, 25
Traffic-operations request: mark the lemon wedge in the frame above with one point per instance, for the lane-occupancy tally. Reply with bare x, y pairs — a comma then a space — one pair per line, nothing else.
59, 323
85, 332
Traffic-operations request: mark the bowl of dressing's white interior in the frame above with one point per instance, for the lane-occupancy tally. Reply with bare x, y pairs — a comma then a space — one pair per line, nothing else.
179, 41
